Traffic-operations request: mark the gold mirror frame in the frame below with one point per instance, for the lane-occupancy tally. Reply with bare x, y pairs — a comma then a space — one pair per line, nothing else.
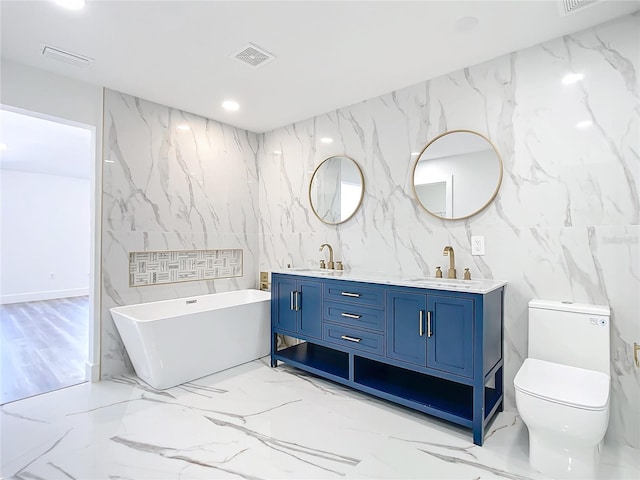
357, 206
491, 198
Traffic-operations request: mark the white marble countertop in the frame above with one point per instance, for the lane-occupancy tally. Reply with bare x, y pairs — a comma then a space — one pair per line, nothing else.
448, 284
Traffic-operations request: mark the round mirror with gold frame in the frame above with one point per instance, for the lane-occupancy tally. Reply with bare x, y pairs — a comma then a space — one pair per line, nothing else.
336, 189
457, 174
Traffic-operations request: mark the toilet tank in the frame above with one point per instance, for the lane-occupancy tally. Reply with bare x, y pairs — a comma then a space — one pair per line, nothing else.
570, 333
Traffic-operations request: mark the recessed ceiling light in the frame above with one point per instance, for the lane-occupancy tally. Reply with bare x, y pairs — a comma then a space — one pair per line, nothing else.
465, 24
71, 4
415, 153
231, 105
583, 125
3, 146
108, 161
570, 78
183, 127
326, 140
277, 152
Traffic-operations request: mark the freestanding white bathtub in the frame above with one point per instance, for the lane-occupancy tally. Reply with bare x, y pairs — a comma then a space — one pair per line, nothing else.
175, 341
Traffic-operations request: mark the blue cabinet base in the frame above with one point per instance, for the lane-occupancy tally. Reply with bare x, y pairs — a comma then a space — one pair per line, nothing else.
442, 398
437, 352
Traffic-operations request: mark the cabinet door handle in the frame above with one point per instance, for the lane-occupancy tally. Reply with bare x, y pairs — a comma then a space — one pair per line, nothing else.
350, 315
349, 294
297, 297
421, 323
351, 339
428, 324
291, 301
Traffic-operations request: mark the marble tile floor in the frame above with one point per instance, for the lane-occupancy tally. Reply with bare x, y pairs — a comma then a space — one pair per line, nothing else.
253, 422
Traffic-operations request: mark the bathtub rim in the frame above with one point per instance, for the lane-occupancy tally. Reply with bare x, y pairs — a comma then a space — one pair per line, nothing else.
124, 310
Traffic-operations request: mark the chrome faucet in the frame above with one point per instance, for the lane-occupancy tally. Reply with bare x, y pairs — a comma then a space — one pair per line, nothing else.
448, 250
330, 263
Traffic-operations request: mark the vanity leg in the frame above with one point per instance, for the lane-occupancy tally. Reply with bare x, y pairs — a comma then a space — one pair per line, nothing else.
274, 346
499, 379
478, 414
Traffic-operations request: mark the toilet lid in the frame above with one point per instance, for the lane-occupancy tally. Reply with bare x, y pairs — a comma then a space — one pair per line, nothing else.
573, 386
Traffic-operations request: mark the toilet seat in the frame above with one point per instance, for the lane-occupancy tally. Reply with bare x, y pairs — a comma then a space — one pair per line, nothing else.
571, 386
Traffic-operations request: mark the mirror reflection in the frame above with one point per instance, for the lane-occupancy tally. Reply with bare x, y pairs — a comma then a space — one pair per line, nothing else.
457, 174
336, 189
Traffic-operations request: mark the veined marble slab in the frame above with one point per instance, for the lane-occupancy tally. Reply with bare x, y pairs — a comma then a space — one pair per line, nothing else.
254, 422
452, 285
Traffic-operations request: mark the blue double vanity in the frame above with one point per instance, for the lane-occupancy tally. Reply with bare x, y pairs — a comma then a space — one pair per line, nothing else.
433, 345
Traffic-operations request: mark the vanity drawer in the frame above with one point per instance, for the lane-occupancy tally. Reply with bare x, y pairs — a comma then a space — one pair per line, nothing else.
353, 338
354, 315
354, 292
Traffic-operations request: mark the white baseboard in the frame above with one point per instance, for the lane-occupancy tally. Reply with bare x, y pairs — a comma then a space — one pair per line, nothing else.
36, 296
92, 372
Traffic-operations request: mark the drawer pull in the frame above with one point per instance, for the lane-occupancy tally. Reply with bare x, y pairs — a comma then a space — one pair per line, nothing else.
351, 339
428, 324
350, 315
349, 294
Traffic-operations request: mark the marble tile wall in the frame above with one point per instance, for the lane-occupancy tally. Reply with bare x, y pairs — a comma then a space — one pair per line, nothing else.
170, 189
565, 224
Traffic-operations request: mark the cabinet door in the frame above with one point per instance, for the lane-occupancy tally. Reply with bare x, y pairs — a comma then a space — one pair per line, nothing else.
450, 346
282, 290
310, 308
406, 337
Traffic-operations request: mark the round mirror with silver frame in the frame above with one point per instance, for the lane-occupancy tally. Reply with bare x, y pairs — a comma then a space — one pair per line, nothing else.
336, 189
457, 174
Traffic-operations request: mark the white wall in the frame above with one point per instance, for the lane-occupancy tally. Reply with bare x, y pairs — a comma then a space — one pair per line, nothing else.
45, 225
51, 94
61, 97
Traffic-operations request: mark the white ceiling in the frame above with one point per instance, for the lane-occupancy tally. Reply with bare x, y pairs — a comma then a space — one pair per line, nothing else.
329, 54
40, 145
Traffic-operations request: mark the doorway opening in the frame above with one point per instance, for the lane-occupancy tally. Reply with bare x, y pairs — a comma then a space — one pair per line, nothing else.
45, 253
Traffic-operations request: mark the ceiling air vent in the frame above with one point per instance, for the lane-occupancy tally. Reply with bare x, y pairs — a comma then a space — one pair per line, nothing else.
570, 6
253, 55
66, 56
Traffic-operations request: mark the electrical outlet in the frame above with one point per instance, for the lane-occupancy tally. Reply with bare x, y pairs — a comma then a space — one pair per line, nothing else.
477, 245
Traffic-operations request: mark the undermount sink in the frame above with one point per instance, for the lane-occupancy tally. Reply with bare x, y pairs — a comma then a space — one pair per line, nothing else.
442, 281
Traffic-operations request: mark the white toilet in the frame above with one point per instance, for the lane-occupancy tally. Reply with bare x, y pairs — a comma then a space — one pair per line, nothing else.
562, 389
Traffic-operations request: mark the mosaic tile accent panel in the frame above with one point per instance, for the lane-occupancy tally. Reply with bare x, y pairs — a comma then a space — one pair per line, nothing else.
155, 268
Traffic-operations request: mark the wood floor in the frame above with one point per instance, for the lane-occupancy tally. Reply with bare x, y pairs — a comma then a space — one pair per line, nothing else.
43, 346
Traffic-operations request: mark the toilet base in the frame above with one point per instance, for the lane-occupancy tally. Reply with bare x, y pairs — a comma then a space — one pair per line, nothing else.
563, 460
